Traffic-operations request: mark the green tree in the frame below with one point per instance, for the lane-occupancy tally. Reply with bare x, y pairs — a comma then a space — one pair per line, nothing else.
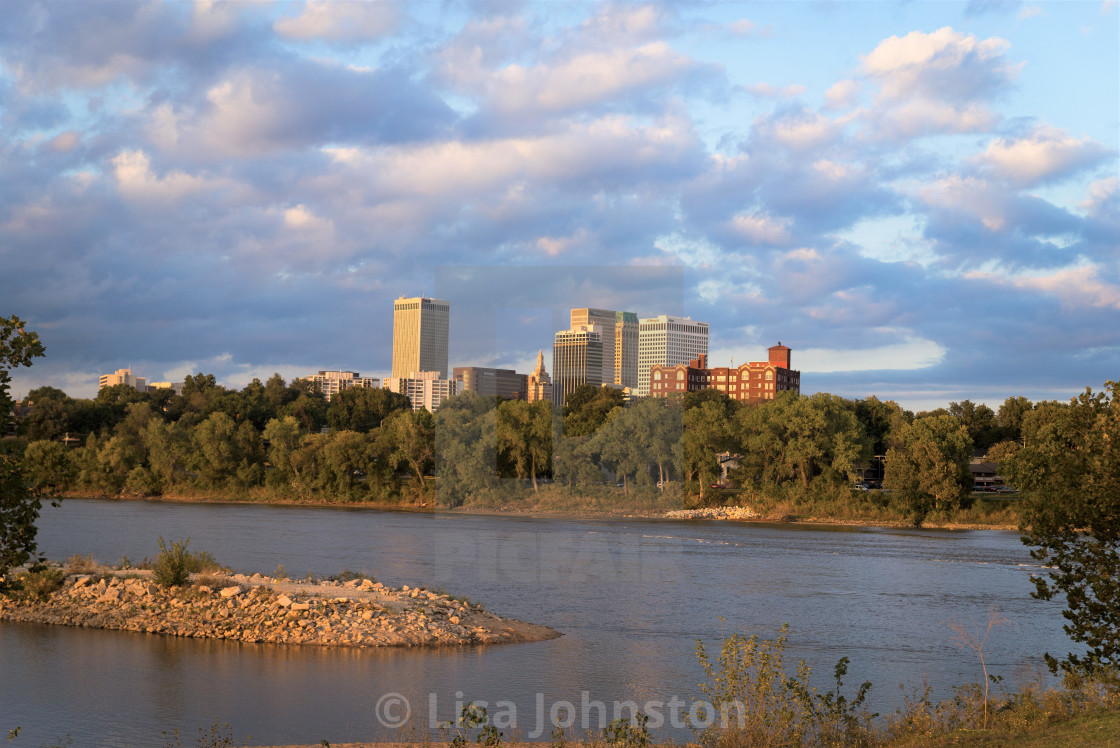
659, 424
364, 408
588, 407
168, 446
1009, 418
409, 438
620, 447
19, 505
525, 436
798, 443
48, 466
283, 436
1068, 467
466, 447
217, 453
309, 409
978, 420
706, 434
928, 469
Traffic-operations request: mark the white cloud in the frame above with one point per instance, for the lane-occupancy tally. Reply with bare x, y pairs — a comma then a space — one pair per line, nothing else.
1047, 153
800, 130
64, 142
609, 146
585, 78
138, 183
340, 21
1102, 199
937, 82
624, 23
762, 228
554, 246
842, 94
967, 196
766, 91
913, 352
1076, 287
299, 218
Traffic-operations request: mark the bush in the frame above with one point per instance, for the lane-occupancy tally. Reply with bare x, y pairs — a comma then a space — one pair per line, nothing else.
41, 581
172, 565
757, 702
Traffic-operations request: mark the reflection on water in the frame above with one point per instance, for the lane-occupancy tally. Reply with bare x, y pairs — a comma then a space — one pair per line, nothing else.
631, 596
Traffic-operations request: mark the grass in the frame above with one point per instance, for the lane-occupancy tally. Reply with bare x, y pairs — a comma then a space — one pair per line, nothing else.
1099, 729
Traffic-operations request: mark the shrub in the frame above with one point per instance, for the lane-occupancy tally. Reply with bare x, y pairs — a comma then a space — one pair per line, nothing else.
172, 565
757, 702
81, 564
346, 575
41, 581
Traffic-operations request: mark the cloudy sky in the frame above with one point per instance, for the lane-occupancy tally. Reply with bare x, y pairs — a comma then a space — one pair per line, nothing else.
921, 199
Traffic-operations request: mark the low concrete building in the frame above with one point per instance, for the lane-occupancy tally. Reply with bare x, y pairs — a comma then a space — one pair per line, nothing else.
123, 376
332, 382
426, 389
505, 383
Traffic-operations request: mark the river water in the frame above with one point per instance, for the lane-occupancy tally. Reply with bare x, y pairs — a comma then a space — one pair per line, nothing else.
632, 597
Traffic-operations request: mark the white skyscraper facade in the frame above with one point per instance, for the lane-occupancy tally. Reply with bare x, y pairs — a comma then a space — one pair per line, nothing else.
667, 341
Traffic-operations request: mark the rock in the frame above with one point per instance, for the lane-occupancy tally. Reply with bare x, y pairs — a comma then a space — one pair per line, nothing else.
454, 619
284, 601
230, 591
153, 589
405, 588
81, 582
301, 606
367, 584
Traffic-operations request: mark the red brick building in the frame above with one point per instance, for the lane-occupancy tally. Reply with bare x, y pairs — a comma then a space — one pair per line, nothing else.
750, 382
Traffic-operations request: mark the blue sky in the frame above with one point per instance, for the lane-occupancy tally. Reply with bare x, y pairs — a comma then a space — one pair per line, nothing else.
921, 199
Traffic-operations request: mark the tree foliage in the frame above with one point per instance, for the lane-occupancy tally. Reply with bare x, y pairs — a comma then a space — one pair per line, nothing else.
19, 505
1068, 466
929, 467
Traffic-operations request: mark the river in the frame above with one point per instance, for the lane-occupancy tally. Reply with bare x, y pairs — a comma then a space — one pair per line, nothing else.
632, 597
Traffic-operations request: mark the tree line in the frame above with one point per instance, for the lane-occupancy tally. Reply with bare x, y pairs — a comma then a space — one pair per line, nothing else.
286, 440
1064, 456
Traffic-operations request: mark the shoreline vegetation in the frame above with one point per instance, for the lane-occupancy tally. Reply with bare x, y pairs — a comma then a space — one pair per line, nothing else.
351, 610
985, 513
804, 458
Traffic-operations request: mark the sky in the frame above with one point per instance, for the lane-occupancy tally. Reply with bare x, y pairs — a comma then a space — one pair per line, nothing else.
920, 199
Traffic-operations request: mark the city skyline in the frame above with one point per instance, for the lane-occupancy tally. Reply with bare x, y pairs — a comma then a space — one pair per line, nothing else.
921, 198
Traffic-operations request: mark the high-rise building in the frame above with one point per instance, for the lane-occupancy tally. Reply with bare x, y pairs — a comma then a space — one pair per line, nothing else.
749, 382
604, 319
667, 341
123, 376
420, 330
505, 383
332, 382
577, 358
626, 350
540, 383
426, 389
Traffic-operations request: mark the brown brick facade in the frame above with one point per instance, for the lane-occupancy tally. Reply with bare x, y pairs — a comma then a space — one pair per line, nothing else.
751, 382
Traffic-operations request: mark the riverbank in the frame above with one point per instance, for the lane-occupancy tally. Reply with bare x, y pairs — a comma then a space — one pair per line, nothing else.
785, 515
258, 609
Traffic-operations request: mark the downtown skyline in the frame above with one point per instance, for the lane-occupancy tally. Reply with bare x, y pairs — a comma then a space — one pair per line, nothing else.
920, 198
